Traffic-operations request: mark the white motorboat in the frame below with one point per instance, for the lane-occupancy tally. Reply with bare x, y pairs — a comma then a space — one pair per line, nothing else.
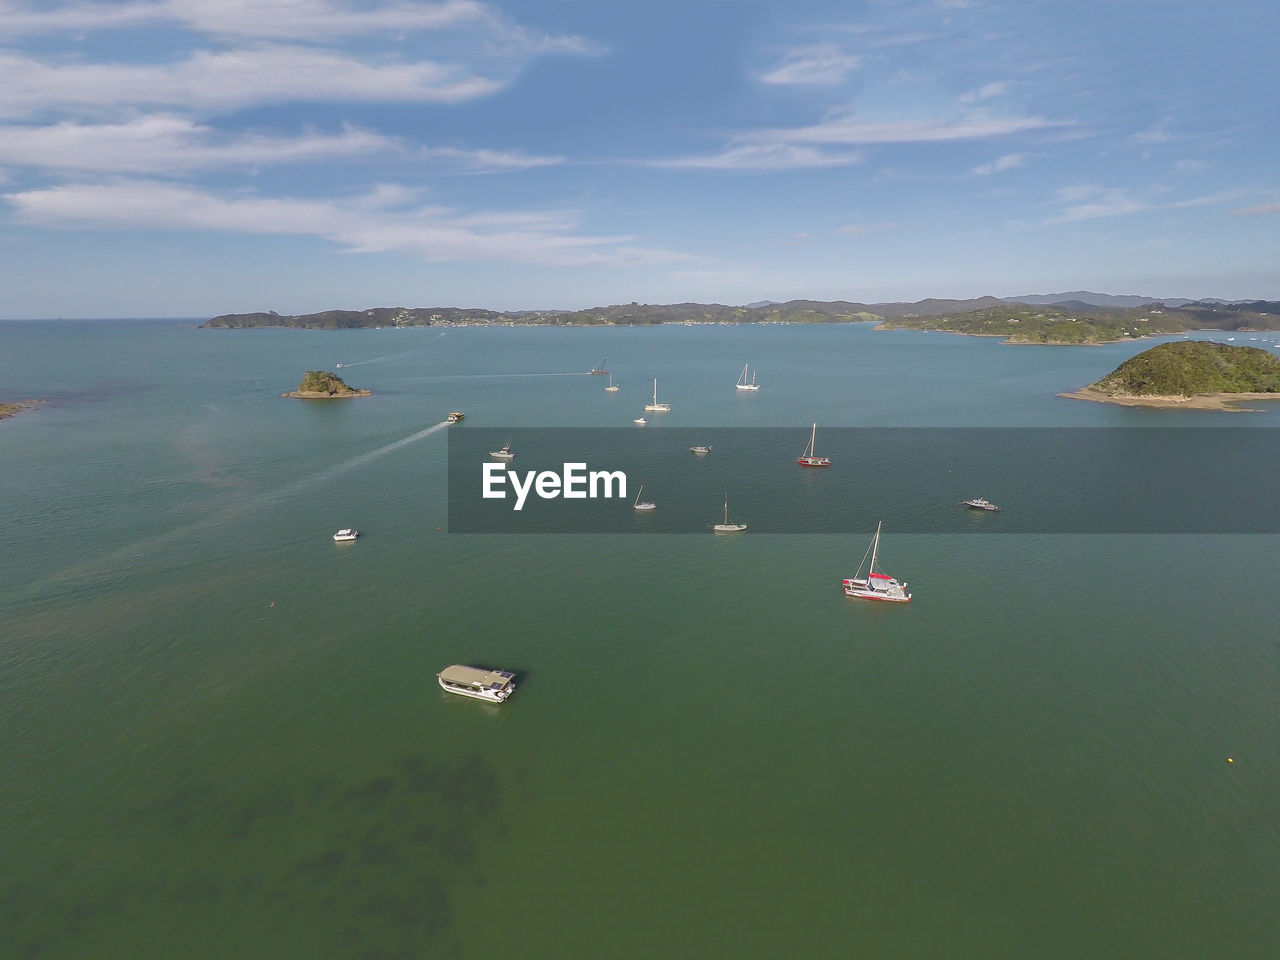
493, 686
345, 535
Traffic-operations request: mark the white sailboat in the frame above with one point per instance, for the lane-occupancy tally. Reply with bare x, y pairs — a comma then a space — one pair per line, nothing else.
611, 388
725, 526
641, 506
653, 406
742, 381
875, 585
807, 459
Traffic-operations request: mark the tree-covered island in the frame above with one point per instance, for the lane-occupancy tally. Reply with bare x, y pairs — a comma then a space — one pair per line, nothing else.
12, 409
1068, 322
321, 385
1190, 373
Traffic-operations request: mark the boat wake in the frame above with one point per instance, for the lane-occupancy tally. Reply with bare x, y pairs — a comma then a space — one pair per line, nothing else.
119, 561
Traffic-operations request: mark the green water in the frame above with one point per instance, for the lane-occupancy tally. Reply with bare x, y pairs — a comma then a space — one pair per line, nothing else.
221, 733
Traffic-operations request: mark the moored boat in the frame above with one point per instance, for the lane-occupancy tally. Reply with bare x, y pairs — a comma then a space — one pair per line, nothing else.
493, 686
345, 535
725, 526
875, 585
503, 453
643, 506
612, 387
700, 448
742, 381
978, 503
653, 406
808, 459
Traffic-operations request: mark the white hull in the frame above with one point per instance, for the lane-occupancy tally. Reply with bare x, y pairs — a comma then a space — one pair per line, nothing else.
612, 389
860, 590
657, 408
488, 696
645, 507
728, 528
749, 387
640, 420
345, 536
499, 455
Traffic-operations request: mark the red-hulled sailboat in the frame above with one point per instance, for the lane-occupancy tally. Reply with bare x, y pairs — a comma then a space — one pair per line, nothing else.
807, 459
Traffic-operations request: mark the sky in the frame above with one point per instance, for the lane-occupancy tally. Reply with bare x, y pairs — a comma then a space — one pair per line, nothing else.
198, 157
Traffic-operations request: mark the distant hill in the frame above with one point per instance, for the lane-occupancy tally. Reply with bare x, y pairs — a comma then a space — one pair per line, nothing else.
978, 315
1092, 299
1193, 367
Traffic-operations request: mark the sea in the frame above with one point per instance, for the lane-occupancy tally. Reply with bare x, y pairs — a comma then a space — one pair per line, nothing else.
221, 733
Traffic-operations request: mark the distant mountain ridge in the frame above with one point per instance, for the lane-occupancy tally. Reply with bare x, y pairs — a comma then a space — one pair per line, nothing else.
765, 311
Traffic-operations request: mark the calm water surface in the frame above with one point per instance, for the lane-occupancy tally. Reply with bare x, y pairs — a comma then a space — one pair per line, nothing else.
222, 734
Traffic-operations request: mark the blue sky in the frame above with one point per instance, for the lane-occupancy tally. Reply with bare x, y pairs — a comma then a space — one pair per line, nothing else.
194, 157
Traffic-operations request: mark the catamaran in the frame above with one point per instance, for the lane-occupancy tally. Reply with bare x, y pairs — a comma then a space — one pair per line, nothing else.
643, 505
742, 380
725, 526
599, 371
807, 459
653, 406
612, 387
875, 585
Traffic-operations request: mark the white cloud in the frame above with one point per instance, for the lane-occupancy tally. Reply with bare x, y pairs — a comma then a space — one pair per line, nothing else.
227, 80
284, 20
381, 221
1260, 209
985, 92
1091, 202
845, 127
1008, 161
162, 144
762, 157
822, 65
172, 145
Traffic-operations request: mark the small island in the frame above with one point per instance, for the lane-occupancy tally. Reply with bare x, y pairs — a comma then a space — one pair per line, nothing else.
1189, 374
321, 385
12, 409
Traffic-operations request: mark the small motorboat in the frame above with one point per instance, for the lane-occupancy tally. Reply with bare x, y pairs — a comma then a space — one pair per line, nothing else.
345, 535
978, 503
504, 453
700, 449
640, 420
455, 416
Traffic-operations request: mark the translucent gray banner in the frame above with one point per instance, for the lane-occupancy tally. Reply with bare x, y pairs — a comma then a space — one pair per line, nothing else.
915, 480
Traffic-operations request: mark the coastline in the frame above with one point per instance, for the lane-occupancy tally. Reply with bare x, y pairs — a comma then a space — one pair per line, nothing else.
13, 409
1011, 339
1201, 401
318, 395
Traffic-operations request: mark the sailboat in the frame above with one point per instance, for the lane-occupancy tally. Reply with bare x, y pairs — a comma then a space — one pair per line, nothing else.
726, 526
653, 406
876, 585
807, 459
742, 381
611, 388
599, 371
643, 506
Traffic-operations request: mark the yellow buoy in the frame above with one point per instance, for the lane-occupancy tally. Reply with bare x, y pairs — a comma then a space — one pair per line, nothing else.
1231, 759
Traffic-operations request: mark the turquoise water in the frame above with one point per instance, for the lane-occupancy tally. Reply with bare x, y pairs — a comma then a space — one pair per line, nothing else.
222, 734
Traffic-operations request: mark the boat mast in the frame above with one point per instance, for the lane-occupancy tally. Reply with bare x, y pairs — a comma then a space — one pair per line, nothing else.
655, 391
812, 437
875, 545
638, 492
726, 509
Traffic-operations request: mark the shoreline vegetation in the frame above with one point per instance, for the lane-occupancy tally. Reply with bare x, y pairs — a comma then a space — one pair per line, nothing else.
13, 409
322, 385
1189, 375
1066, 322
